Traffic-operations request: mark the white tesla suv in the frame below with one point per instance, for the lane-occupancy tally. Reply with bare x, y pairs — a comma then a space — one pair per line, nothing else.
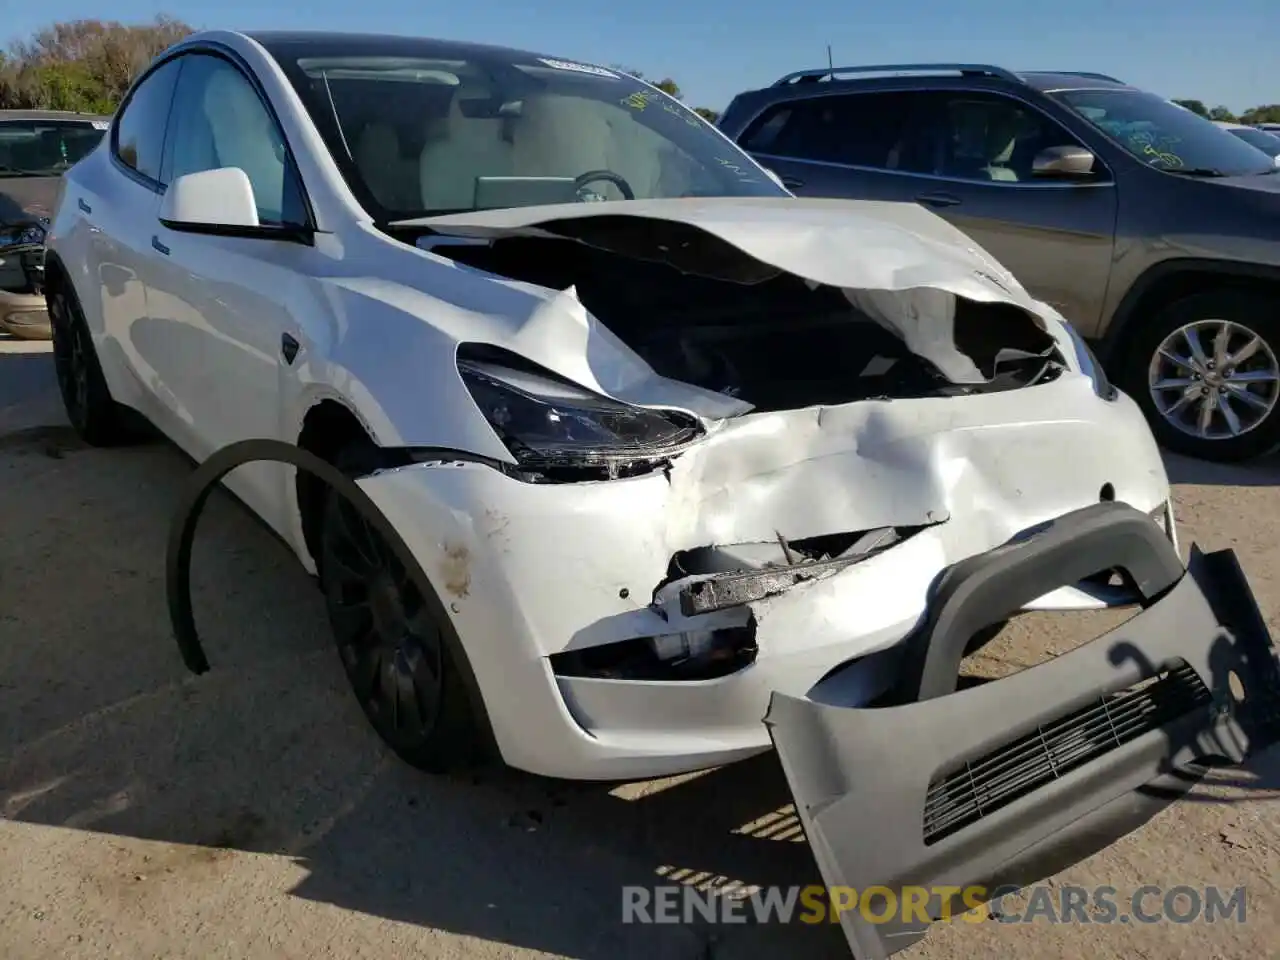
664, 444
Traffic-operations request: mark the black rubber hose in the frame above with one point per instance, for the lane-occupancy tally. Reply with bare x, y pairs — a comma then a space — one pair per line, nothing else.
182, 535
202, 483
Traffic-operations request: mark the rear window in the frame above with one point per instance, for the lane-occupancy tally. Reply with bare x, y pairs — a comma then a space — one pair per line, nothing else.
854, 129
1268, 143
46, 147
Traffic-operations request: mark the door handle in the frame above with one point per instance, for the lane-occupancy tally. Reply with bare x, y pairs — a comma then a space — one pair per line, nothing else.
938, 199
159, 247
792, 183
84, 207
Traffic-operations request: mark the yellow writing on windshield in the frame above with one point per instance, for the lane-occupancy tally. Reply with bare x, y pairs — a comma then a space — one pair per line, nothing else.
641, 99
742, 173
690, 118
1164, 157
1156, 148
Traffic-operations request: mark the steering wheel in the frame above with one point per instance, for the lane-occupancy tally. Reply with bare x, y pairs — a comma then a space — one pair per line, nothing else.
591, 176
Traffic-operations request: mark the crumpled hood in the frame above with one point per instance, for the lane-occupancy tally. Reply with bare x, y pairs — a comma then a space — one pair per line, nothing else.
864, 244
897, 262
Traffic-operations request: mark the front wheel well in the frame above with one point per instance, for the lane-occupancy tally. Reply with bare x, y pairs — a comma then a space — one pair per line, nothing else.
1168, 288
328, 429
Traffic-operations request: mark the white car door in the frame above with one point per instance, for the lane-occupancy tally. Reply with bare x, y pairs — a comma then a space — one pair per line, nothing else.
216, 302
115, 199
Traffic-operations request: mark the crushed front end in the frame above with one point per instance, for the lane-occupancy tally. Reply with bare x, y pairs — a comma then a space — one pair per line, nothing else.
692, 453
640, 624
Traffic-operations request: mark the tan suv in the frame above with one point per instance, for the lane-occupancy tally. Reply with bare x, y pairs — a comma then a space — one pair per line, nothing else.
1155, 232
36, 146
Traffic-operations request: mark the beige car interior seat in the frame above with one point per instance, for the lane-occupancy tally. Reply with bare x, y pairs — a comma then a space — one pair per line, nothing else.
392, 179
458, 150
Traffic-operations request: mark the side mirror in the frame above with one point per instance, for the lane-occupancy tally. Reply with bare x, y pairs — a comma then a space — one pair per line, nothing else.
211, 201
1067, 162
221, 203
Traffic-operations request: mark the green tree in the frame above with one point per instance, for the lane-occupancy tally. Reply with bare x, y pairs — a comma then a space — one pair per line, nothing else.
668, 86
1223, 114
1195, 106
1267, 114
82, 64
671, 88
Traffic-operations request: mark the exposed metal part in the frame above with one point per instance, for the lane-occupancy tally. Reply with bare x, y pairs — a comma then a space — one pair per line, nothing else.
724, 590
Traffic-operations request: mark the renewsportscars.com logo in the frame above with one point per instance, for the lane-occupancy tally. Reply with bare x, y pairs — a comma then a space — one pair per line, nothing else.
678, 903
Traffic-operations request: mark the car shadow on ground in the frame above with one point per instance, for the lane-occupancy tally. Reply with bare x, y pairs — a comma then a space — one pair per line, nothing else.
1263, 472
26, 378
102, 730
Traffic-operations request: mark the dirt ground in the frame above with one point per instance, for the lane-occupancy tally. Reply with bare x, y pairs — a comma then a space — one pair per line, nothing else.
252, 813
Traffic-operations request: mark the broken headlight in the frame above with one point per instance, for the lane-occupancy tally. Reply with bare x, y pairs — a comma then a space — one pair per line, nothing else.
551, 424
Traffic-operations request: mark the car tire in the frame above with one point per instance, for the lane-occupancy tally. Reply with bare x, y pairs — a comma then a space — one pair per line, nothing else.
95, 416
1248, 388
398, 648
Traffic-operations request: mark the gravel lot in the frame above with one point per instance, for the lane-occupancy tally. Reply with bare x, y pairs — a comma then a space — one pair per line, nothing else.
251, 812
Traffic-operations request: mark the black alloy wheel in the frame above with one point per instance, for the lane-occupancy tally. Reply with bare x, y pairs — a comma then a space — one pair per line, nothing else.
95, 416
390, 644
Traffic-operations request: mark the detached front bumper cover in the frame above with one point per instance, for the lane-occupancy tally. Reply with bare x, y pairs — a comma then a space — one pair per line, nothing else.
1008, 782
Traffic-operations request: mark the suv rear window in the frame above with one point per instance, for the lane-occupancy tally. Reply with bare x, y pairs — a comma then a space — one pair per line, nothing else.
46, 147
858, 129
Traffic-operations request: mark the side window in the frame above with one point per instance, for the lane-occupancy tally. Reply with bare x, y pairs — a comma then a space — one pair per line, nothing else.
859, 129
138, 139
988, 137
220, 121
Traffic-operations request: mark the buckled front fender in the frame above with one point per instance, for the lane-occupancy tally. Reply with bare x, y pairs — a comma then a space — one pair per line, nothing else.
1013, 780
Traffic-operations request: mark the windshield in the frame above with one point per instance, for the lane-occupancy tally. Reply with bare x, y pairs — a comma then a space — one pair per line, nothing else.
416, 137
1268, 143
45, 148
1165, 135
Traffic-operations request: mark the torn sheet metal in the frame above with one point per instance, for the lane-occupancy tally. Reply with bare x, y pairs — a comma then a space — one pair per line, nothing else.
899, 263
563, 336
725, 591
901, 266
867, 245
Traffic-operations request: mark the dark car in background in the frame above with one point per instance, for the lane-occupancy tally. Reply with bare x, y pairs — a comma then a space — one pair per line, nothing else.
1151, 229
36, 147
1265, 140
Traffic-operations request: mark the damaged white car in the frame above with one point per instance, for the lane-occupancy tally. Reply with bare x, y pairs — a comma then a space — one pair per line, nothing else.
660, 447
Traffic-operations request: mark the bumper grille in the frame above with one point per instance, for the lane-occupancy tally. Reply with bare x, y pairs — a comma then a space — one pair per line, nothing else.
1026, 764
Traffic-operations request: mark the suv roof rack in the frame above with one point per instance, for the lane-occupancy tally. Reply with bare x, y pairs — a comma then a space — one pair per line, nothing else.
972, 69
1081, 73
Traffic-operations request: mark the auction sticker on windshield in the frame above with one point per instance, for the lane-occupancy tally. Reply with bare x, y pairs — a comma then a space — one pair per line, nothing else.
578, 68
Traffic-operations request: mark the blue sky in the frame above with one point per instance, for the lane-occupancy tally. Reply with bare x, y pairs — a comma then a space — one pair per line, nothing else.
1225, 52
